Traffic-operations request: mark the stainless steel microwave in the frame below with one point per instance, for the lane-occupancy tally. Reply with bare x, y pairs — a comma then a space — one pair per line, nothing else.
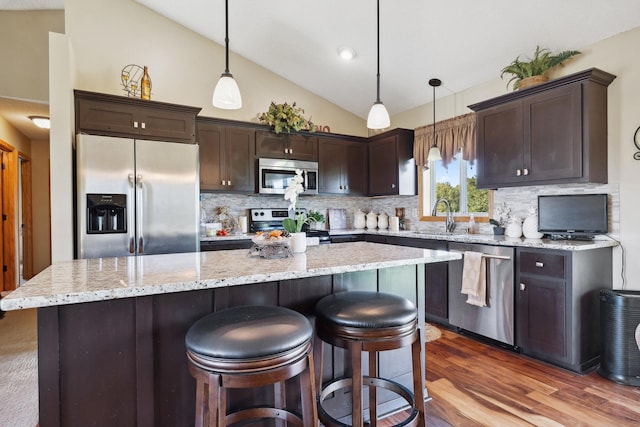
274, 175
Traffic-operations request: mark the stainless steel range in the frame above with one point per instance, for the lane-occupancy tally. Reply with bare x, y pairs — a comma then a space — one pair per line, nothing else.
264, 219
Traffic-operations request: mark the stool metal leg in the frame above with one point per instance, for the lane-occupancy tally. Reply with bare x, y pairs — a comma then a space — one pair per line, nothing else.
318, 354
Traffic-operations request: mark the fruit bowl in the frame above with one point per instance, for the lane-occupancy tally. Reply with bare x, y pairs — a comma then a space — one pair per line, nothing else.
271, 240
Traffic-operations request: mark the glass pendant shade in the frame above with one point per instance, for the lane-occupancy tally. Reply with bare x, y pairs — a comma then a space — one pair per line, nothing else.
378, 117
434, 154
227, 93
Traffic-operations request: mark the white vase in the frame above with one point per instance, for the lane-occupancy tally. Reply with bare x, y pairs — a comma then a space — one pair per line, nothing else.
530, 228
298, 242
372, 220
359, 221
514, 229
383, 221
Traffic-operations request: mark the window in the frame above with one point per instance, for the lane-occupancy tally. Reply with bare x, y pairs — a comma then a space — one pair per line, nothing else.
454, 177
457, 184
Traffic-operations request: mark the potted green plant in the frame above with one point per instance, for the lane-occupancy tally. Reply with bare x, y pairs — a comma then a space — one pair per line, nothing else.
317, 219
500, 219
285, 118
534, 71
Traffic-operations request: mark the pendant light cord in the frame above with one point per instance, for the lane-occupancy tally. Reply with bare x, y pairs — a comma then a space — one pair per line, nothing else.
226, 35
378, 75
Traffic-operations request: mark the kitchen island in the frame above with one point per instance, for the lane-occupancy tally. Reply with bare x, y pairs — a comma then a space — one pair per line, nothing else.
111, 330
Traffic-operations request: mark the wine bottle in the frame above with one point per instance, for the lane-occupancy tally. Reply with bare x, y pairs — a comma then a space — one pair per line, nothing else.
145, 85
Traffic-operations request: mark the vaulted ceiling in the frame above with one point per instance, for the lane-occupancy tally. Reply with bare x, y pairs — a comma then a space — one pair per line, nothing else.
463, 42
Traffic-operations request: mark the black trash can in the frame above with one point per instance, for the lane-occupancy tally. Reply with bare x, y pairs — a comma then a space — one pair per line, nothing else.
619, 318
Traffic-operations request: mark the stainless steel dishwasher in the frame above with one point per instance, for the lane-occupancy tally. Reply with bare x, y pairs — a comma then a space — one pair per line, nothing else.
496, 320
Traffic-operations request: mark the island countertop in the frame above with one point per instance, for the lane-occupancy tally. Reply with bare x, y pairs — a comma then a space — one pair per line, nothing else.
89, 280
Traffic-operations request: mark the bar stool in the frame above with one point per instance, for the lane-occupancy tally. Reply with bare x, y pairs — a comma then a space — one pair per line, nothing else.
251, 346
371, 322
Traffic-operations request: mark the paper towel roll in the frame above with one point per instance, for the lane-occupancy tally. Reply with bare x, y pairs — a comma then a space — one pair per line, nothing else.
394, 223
242, 224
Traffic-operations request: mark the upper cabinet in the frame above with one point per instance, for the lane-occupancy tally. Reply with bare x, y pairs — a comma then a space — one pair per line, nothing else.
342, 166
227, 161
547, 134
299, 146
392, 168
112, 115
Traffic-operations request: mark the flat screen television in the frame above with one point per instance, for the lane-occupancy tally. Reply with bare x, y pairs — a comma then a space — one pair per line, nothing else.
573, 216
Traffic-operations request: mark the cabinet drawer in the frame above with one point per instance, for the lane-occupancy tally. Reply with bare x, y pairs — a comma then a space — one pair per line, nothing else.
551, 265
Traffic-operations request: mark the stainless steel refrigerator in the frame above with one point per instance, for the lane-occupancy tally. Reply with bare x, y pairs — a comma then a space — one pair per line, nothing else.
136, 197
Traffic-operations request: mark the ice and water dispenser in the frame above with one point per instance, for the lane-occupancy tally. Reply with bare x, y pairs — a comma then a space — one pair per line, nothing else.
106, 213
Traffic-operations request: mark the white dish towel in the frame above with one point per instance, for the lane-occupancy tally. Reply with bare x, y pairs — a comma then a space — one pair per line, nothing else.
474, 279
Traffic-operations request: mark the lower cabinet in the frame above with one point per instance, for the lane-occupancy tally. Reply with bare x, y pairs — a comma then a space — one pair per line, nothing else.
558, 307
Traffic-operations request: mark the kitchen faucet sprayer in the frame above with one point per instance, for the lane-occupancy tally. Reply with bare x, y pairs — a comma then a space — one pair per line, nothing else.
450, 225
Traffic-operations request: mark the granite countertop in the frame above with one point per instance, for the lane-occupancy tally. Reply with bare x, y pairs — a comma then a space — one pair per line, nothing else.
100, 279
485, 239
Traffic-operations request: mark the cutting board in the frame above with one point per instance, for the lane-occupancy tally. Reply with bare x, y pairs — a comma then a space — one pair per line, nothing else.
337, 219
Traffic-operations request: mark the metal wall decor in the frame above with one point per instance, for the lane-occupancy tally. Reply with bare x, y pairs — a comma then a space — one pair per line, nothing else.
131, 75
636, 142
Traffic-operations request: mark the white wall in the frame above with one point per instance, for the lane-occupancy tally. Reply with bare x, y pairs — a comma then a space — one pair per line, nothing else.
614, 55
61, 67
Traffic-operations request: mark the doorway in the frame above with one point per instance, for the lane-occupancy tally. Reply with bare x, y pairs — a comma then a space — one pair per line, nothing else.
16, 226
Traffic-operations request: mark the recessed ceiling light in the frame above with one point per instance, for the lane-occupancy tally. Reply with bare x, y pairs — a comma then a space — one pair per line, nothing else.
347, 53
41, 122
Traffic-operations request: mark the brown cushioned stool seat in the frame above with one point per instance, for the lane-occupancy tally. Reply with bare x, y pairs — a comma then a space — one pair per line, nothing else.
251, 346
371, 322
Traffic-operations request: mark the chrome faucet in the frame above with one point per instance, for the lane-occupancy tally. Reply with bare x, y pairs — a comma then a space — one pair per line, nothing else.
450, 225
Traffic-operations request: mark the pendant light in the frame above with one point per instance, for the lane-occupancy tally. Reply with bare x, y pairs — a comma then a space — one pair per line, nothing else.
434, 151
378, 116
227, 93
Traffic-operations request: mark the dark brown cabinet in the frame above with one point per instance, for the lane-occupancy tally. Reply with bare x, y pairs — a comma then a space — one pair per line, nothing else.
287, 146
342, 166
552, 133
227, 160
111, 115
557, 304
392, 169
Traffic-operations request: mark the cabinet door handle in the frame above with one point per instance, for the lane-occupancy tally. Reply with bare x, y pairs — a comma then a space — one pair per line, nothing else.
522, 286
346, 187
393, 186
224, 182
526, 171
518, 172
229, 183
539, 264
143, 125
135, 125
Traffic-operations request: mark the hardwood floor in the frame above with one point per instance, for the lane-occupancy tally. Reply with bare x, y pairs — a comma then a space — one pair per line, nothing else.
474, 384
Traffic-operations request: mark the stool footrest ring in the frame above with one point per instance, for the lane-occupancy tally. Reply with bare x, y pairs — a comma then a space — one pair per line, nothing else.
264, 412
387, 384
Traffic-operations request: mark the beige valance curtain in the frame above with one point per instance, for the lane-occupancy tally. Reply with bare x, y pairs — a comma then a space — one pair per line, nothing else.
452, 136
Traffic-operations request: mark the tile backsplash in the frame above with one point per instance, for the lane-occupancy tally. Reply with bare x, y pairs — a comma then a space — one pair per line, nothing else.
519, 199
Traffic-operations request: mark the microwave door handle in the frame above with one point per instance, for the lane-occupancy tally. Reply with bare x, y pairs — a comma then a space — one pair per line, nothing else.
306, 179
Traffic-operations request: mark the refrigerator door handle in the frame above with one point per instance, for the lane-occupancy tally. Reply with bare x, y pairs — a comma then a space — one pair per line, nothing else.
139, 206
132, 239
